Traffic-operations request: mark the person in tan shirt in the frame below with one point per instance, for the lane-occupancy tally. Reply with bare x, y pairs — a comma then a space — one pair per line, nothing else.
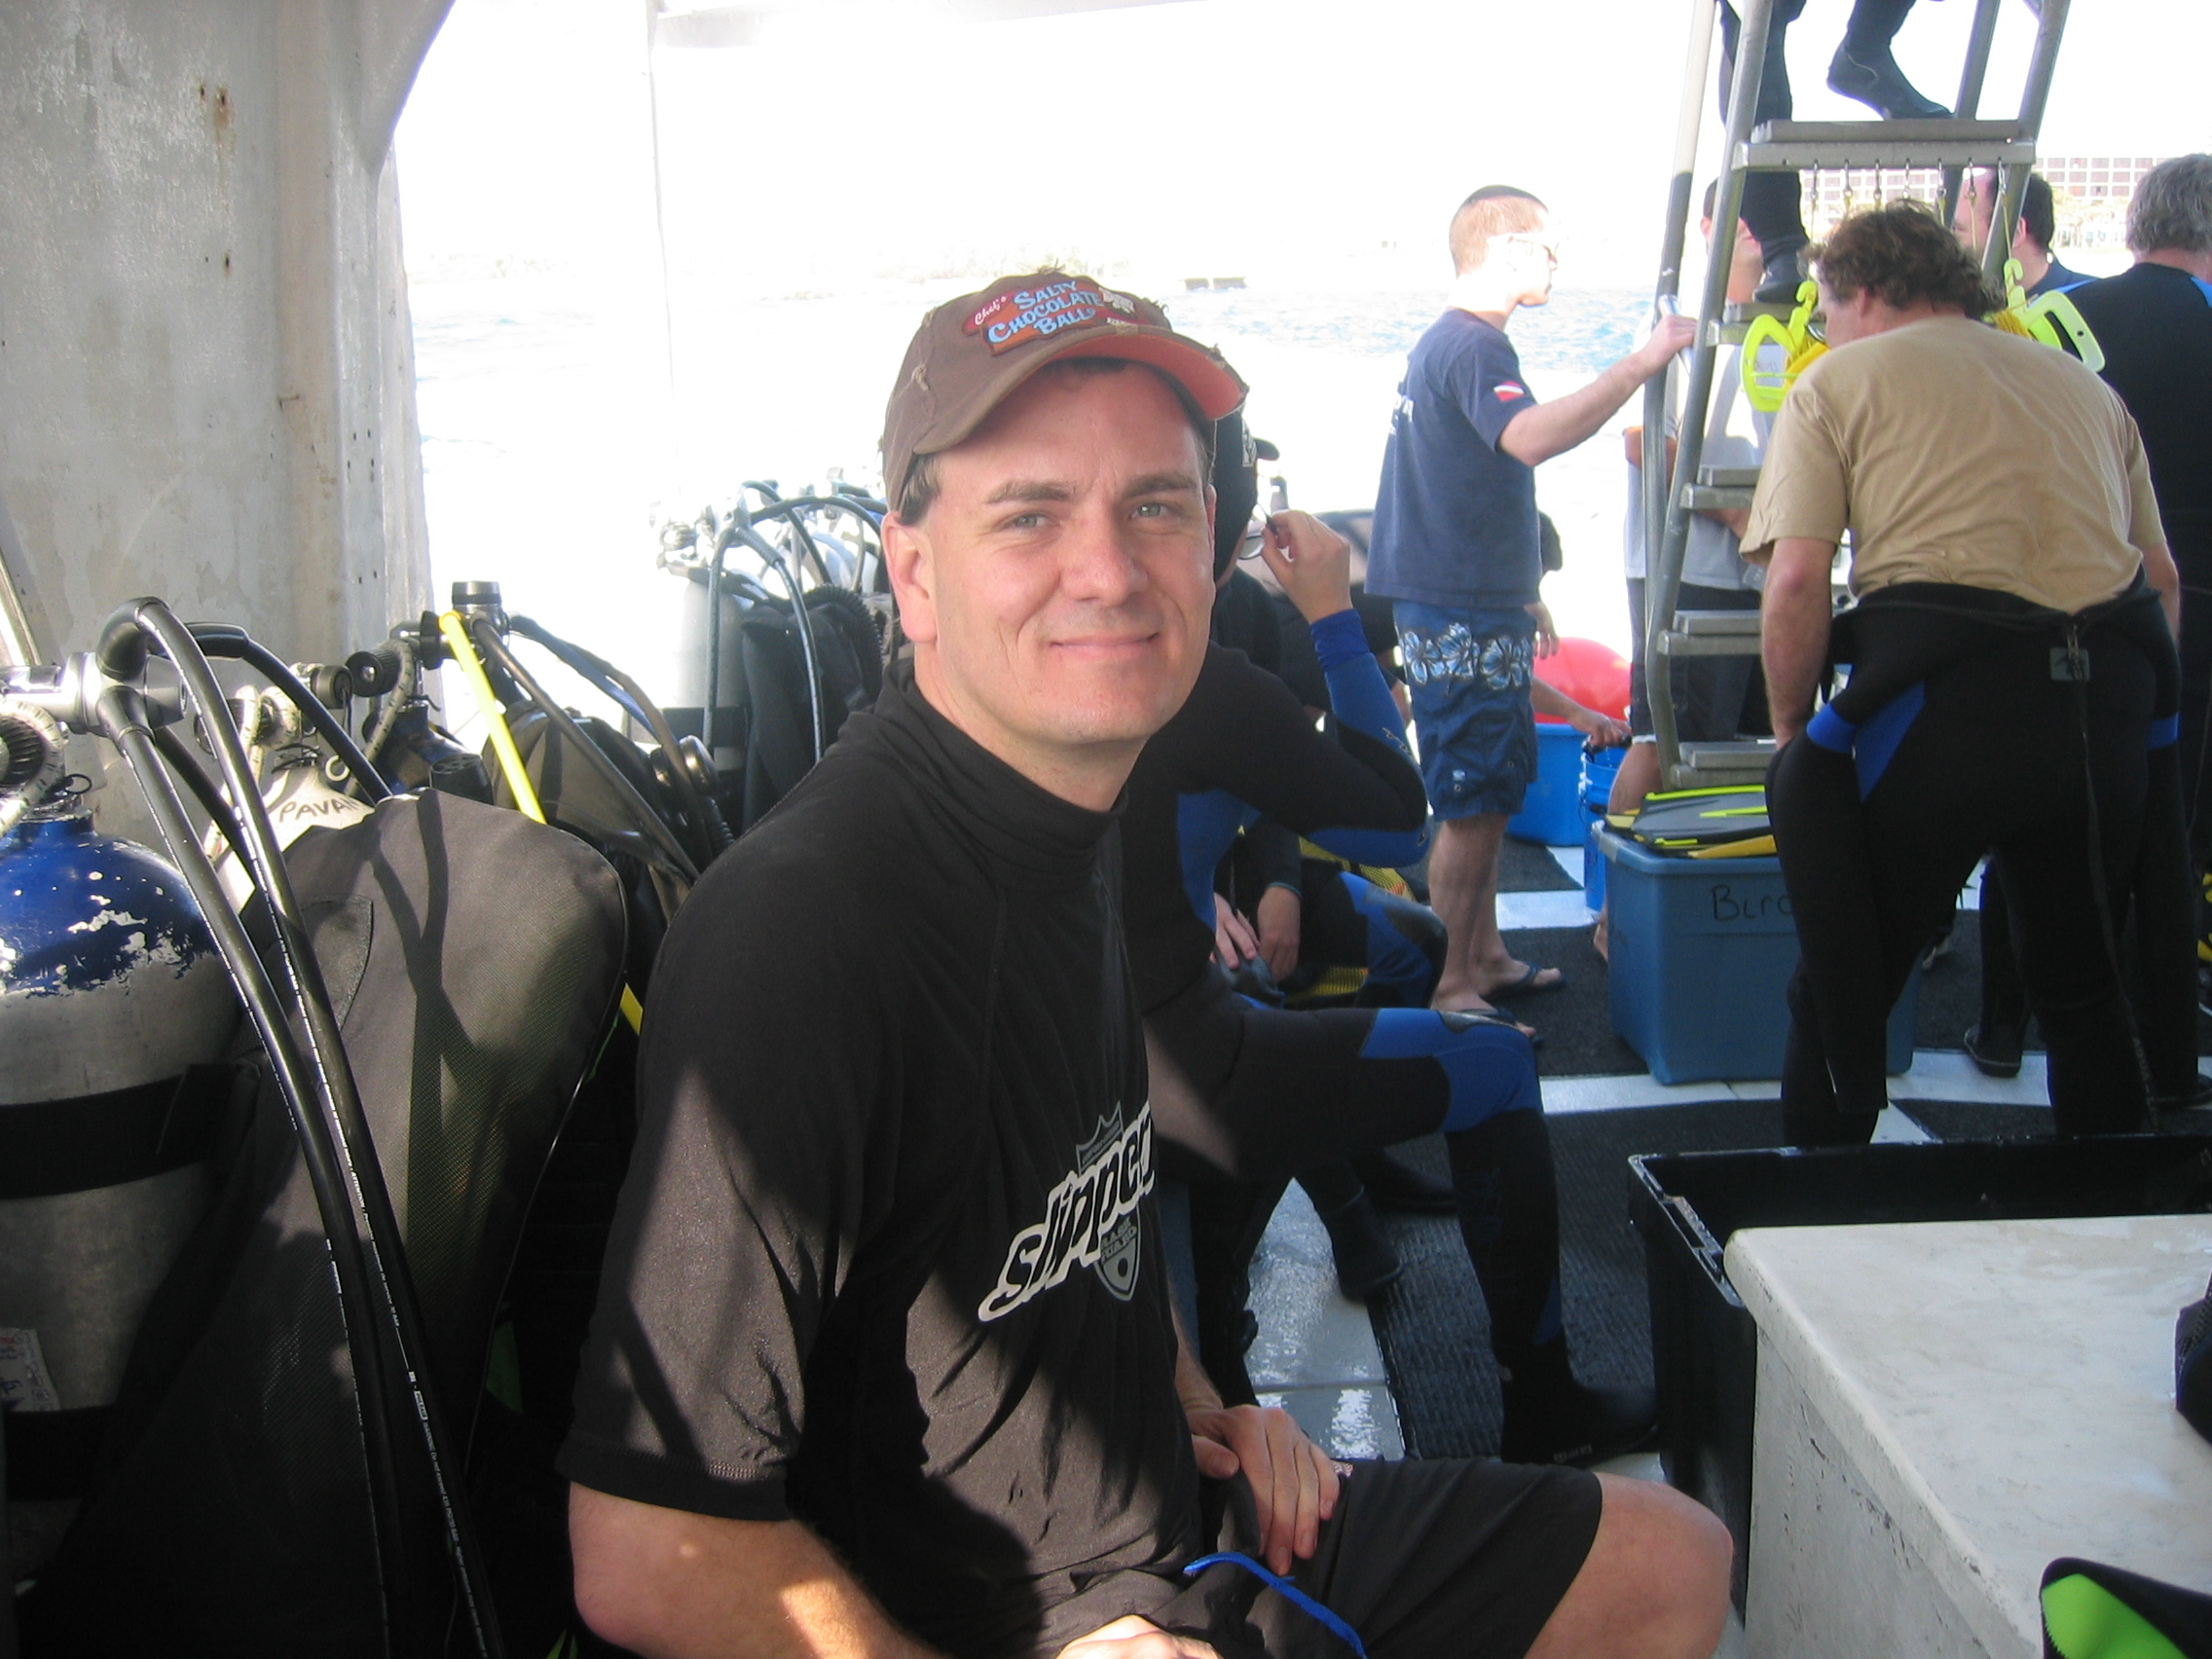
2011, 670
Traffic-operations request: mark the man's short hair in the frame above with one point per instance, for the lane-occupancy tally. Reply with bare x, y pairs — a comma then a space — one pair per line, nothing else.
1495, 210
919, 491
2038, 216
2173, 207
1712, 190
1902, 255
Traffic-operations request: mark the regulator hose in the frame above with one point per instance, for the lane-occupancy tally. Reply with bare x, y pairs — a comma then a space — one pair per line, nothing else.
714, 833
373, 1229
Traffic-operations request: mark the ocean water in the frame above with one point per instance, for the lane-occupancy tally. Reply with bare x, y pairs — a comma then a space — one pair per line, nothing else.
559, 430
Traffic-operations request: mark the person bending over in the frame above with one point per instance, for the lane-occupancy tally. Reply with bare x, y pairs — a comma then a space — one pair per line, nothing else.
2013, 674
1456, 547
883, 1362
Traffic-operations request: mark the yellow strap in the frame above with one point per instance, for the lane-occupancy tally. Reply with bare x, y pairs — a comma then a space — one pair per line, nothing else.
464, 650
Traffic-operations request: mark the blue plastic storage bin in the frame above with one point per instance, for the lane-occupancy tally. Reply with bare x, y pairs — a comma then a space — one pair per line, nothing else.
1598, 773
1552, 812
1700, 951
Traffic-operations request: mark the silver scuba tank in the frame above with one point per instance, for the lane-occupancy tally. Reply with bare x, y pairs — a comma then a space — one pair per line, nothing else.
110, 992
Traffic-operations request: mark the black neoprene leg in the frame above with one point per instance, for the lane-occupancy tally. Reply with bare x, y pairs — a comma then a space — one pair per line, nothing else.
1770, 199
1833, 1076
1873, 24
2164, 983
2003, 998
1508, 1194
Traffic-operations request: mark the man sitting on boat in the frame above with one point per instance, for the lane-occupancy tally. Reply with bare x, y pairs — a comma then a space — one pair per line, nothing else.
884, 1362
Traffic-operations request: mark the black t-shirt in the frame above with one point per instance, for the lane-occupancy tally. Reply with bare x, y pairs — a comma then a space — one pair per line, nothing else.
886, 1260
2155, 325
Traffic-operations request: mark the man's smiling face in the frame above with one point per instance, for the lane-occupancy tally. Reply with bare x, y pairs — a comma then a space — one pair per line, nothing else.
1058, 588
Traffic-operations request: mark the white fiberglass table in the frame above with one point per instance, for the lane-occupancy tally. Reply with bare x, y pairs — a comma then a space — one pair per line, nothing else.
1944, 1408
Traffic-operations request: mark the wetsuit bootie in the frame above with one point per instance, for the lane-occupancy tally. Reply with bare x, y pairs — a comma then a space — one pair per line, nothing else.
1994, 1049
1783, 273
1393, 1186
1550, 1418
1366, 1260
1871, 76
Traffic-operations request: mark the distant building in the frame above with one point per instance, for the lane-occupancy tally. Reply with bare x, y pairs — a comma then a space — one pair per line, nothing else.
2090, 194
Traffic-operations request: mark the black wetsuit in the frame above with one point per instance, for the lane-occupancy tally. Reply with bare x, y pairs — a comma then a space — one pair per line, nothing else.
2153, 324
1304, 1089
1974, 721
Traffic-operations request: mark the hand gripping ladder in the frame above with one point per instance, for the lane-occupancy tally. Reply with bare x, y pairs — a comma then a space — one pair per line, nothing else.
1789, 146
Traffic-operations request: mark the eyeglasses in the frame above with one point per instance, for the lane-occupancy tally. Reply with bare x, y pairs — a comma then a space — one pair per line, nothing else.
1255, 532
1550, 246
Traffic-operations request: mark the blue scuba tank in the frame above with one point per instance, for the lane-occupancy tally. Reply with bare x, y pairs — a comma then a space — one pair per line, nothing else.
111, 995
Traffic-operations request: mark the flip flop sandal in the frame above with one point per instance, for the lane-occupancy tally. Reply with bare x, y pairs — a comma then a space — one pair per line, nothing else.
1526, 986
1491, 1017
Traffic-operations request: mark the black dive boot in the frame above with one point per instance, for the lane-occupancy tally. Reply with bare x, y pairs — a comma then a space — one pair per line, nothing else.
1785, 274
1551, 1419
1870, 75
1366, 1260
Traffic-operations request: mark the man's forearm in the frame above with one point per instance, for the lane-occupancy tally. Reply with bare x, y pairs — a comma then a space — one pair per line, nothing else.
1793, 629
2164, 577
669, 1584
1545, 430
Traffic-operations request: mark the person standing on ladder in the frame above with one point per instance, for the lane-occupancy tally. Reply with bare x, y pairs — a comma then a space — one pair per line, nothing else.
1455, 547
1863, 69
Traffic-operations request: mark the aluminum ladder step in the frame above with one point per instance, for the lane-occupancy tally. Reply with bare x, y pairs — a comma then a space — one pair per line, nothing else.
1788, 146
1711, 634
1720, 487
1743, 760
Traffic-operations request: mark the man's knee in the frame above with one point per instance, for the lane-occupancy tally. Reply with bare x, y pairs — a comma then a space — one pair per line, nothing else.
1654, 1585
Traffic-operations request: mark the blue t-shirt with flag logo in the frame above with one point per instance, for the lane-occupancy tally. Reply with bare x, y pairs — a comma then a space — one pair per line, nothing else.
1455, 516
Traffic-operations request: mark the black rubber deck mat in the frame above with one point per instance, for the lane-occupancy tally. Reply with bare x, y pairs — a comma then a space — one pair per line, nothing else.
1433, 1325
1962, 1119
1524, 866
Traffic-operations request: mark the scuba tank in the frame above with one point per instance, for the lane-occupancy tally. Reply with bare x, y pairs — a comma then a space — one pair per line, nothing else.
113, 1006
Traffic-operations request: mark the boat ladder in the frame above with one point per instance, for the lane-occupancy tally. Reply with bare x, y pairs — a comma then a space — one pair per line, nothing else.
1670, 499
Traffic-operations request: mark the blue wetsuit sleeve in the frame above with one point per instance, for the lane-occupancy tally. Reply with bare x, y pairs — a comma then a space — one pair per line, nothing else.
1358, 694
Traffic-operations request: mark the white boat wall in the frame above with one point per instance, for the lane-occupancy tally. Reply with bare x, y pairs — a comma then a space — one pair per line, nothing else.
207, 367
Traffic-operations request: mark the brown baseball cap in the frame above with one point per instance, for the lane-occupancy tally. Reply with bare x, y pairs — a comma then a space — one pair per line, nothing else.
971, 352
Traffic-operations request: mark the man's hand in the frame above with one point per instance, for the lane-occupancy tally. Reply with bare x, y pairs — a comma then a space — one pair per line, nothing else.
1311, 561
1603, 730
1547, 631
1674, 336
1134, 1638
1277, 916
1294, 1482
1794, 612
1234, 943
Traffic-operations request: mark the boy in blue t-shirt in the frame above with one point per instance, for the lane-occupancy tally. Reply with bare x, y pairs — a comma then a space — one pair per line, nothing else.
1455, 547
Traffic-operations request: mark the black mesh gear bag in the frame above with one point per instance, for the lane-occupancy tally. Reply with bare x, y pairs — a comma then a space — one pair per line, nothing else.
473, 959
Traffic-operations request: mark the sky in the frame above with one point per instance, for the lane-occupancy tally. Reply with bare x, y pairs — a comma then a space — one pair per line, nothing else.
619, 259
1293, 139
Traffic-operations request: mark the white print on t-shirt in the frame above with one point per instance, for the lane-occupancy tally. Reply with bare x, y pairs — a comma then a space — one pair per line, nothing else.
1091, 1220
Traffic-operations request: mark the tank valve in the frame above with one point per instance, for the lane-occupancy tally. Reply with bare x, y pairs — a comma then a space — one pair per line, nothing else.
30, 759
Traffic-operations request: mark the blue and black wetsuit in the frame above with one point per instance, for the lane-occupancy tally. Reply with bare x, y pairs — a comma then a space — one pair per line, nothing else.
1240, 1090
1976, 720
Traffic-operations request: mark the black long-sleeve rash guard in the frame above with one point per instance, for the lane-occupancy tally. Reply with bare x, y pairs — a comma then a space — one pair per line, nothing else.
1243, 747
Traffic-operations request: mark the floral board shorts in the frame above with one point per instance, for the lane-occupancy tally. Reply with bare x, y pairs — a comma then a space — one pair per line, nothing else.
1469, 675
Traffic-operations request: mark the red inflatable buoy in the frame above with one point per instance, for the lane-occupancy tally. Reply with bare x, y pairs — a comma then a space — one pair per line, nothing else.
1591, 671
